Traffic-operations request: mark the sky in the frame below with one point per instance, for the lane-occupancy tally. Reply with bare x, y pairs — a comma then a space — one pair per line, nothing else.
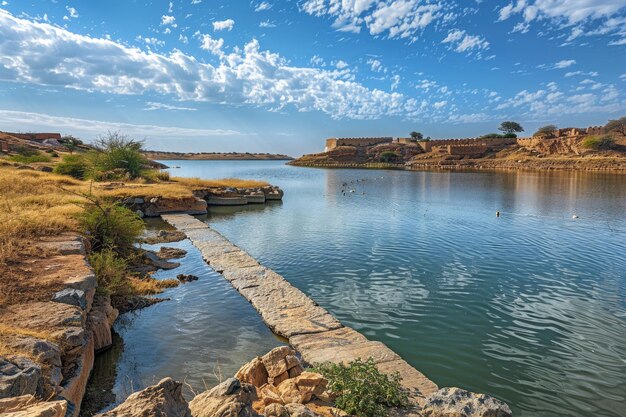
281, 76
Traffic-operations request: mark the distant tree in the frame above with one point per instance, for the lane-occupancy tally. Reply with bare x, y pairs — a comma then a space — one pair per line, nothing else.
416, 135
70, 142
510, 127
617, 125
546, 130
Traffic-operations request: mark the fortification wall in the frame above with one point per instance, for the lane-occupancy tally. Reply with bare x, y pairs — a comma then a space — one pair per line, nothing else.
334, 142
36, 136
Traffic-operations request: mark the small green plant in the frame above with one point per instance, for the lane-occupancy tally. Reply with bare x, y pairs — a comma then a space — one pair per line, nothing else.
75, 165
27, 155
388, 156
110, 226
598, 142
111, 272
362, 390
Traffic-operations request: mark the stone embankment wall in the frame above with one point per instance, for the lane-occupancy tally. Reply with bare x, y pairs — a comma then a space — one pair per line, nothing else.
76, 323
309, 328
332, 143
154, 206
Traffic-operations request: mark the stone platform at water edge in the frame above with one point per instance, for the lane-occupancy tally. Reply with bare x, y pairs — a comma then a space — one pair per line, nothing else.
310, 329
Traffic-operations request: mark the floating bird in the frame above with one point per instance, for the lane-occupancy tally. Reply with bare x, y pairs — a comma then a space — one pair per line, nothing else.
574, 216
497, 214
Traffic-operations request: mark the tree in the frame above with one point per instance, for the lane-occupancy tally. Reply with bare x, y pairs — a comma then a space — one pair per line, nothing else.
510, 127
70, 142
546, 131
617, 125
416, 135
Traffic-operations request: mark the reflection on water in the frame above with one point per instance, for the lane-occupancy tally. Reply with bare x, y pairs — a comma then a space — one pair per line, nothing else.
529, 307
202, 335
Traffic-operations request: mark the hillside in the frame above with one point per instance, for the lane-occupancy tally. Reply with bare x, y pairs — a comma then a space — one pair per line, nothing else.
528, 153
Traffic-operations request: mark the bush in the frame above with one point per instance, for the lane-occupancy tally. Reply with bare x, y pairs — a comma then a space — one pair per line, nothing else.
27, 155
111, 227
76, 166
156, 175
388, 156
598, 142
498, 135
362, 390
117, 153
547, 131
111, 272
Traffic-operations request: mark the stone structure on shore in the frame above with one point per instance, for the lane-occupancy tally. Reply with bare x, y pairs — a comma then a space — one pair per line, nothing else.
278, 384
54, 341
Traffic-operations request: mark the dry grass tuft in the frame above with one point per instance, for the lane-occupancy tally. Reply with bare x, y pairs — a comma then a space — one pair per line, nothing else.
151, 286
197, 183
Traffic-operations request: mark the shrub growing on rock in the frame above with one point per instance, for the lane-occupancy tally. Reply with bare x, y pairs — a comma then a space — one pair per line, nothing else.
111, 226
110, 271
361, 389
388, 156
598, 142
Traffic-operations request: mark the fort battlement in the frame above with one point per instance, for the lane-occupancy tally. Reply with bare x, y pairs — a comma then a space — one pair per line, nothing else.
332, 143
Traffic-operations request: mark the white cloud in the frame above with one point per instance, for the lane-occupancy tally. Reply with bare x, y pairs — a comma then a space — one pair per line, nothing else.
167, 20
42, 121
224, 25
43, 54
267, 24
72, 12
262, 6
152, 105
210, 44
375, 65
196, 1
395, 18
589, 17
461, 41
171, 8
565, 63
440, 104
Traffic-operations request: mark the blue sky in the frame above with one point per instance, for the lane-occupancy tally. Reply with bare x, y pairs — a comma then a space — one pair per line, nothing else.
280, 76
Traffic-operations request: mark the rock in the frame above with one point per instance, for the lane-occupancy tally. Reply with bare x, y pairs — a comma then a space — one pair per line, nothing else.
165, 236
253, 373
184, 278
42, 351
189, 205
295, 371
153, 259
72, 297
276, 380
44, 168
19, 376
276, 410
275, 362
299, 410
27, 406
302, 388
140, 214
171, 253
231, 398
164, 399
138, 200
457, 402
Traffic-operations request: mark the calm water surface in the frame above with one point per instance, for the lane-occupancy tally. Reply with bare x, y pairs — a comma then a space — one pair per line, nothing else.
529, 307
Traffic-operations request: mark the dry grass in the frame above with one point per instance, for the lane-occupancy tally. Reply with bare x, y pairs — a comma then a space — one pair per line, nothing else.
34, 203
151, 286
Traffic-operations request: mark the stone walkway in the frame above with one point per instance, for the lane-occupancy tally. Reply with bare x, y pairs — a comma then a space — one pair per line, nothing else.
310, 329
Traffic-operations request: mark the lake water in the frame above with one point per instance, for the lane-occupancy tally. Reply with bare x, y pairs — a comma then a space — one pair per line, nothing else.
529, 306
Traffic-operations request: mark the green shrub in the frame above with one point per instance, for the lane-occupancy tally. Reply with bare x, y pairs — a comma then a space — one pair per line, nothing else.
156, 175
117, 153
111, 272
362, 390
111, 226
498, 135
388, 156
76, 166
598, 142
29, 159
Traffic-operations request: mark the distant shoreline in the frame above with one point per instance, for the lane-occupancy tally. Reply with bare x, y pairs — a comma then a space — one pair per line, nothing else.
215, 156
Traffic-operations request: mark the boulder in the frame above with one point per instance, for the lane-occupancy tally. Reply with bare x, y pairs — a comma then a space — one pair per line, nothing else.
72, 297
302, 388
27, 406
457, 402
171, 253
275, 360
164, 399
253, 373
299, 410
19, 376
100, 320
231, 398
